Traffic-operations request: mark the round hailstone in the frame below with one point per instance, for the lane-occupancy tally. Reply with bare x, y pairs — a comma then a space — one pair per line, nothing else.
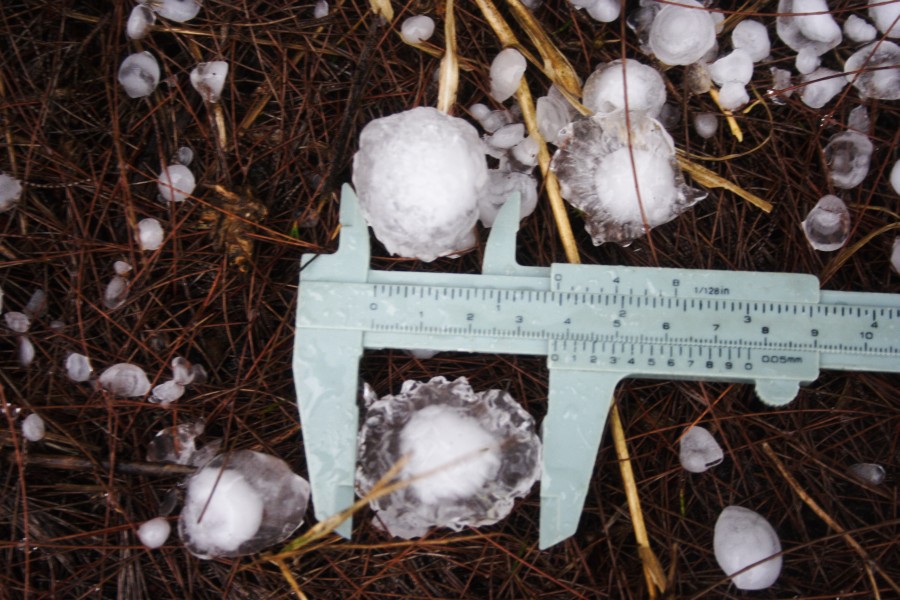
475, 452
848, 154
706, 125
736, 67
604, 90
827, 226
154, 533
604, 11
858, 30
895, 177
418, 175
78, 367
320, 11
682, 33
507, 70
26, 351
208, 78
870, 473
807, 61
177, 10
176, 183
742, 538
139, 22
418, 29
733, 95
753, 38
597, 176
799, 29
10, 192
699, 450
887, 18
17, 321
125, 380
183, 156
150, 234
874, 70
497, 191
241, 503
121, 267
139, 74
526, 153
820, 87
33, 428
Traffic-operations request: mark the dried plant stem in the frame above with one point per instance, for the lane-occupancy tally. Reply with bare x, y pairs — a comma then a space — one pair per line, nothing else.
449, 64
710, 179
729, 116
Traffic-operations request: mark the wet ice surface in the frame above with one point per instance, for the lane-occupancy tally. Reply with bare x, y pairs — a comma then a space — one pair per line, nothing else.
553, 112
176, 183
507, 69
604, 90
475, 453
241, 503
125, 380
208, 78
415, 30
139, 74
418, 175
495, 194
154, 533
507, 136
167, 392
827, 226
33, 428
736, 67
10, 192
597, 176
741, 538
78, 367
682, 33
139, 22
781, 85
874, 70
820, 86
870, 473
817, 33
699, 450
848, 155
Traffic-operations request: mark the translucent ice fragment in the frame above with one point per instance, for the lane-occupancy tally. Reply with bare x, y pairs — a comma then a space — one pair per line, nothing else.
800, 27
417, 29
886, 17
241, 503
418, 175
553, 112
177, 10
208, 78
848, 154
26, 350
706, 124
320, 11
125, 380
139, 22
895, 177
176, 444
181, 371
475, 453
154, 533
753, 38
604, 90
116, 292
495, 194
78, 367
507, 136
150, 234
507, 69
183, 156
33, 428
820, 86
859, 120
682, 33
168, 392
10, 192
735, 67
827, 226
874, 70
699, 450
597, 172
526, 152
741, 538
781, 85
176, 183
858, 30
139, 74
870, 473
17, 321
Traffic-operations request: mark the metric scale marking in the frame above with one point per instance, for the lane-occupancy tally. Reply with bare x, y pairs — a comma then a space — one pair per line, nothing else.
596, 325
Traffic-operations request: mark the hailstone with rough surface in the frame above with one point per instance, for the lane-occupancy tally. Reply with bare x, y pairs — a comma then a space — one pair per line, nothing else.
78, 367
874, 70
470, 455
682, 33
125, 380
208, 78
139, 22
507, 70
553, 112
604, 90
827, 226
706, 124
10, 192
150, 234
741, 538
17, 321
417, 29
139, 74
735, 67
820, 86
858, 30
699, 450
887, 18
418, 175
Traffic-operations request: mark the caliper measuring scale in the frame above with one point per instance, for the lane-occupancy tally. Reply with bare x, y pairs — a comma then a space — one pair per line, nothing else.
596, 324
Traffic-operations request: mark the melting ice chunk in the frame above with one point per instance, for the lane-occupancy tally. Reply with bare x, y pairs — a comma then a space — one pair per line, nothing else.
139, 74
753, 38
800, 27
874, 70
820, 86
848, 154
507, 70
78, 367
781, 85
507, 136
176, 183
139, 22
10, 192
125, 380
177, 444
682, 33
177, 10
827, 226
33, 428
497, 191
150, 234
17, 321
166, 393
858, 30
183, 156
208, 78
417, 29
741, 538
116, 292
154, 533
604, 90
699, 450
122, 268
870, 473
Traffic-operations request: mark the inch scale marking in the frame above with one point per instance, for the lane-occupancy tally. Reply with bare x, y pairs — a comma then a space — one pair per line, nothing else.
596, 325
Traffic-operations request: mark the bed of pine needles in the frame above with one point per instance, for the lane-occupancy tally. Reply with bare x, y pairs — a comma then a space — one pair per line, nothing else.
222, 289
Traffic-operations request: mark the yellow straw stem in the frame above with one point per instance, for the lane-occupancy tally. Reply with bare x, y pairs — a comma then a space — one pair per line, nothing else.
729, 116
449, 64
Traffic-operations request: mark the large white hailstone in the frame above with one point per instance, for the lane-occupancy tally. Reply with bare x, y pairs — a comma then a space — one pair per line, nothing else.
125, 380
736, 67
886, 18
895, 177
848, 155
699, 450
507, 70
17, 321
139, 74
10, 192
154, 533
497, 191
858, 30
208, 78
682, 33
418, 175
874, 70
706, 124
743, 537
753, 38
821, 86
177, 10
33, 428
827, 226
799, 29
150, 234
78, 367
176, 183
139, 22
870, 473
553, 112
472, 455
241, 503
417, 29
604, 90
597, 176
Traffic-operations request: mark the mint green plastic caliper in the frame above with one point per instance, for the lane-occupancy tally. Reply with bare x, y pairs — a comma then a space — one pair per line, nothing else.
596, 325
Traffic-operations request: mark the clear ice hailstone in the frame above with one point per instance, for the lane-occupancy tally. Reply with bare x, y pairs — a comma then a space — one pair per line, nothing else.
596, 175
827, 226
799, 29
507, 70
874, 70
116, 292
33, 428
150, 234
553, 112
154, 533
176, 183
699, 450
10, 192
820, 87
166, 393
886, 18
125, 380
848, 154
604, 90
139, 74
241, 503
139, 22
870, 473
78, 367
734, 67
26, 351
682, 33
176, 444
507, 136
895, 177
320, 11
208, 78
177, 10
526, 152
17, 321
858, 119
475, 454
741, 538
706, 125
417, 29
418, 175
858, 30
495, 194
753, 38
